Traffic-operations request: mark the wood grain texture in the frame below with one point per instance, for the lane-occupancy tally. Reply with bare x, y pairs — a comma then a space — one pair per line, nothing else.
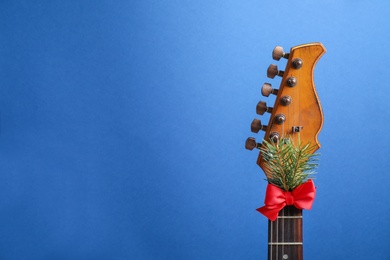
305, 109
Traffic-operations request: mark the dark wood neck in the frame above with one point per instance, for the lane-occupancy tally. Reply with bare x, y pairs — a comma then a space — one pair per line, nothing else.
285, 240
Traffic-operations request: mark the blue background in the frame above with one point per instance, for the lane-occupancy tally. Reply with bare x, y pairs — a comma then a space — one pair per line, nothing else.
123, 126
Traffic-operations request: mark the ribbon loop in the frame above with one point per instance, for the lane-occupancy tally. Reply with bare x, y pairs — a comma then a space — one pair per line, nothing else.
302, 197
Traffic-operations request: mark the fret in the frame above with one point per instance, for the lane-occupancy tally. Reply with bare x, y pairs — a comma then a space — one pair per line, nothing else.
285, 243
279, 217
285, 239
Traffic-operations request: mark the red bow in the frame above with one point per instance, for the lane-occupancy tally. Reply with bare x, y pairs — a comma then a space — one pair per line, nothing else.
276, 199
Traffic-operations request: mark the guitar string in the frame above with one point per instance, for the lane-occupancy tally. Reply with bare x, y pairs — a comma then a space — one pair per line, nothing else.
277, 238
282, 213
299, 104
299, 120
270, 246
283, 235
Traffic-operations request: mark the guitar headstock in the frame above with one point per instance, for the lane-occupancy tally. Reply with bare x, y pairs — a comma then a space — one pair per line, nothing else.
297, 111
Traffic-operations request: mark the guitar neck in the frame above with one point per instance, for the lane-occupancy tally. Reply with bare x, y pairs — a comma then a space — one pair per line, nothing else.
285, 240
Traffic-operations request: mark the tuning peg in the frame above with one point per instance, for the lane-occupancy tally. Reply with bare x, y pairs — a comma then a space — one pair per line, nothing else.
267, 89
291, 81
278, 53
280, 119
256, 126
274, 137
286, 100
273, 71
297, 63
261, 108
251, 144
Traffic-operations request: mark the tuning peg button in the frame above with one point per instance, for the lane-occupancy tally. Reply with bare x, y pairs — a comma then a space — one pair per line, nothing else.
256, 126
273, 71
251, 144
261, 108
278, 53
267, 89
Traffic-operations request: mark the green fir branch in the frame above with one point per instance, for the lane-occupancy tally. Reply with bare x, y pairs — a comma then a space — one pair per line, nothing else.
289, 165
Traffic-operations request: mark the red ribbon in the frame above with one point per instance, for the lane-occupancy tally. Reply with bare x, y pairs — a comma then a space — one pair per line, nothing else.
276, 199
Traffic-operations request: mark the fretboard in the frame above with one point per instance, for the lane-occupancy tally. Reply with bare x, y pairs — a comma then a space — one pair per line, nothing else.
285, 240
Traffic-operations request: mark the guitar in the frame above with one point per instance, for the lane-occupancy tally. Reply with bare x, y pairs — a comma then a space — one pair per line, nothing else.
296, 114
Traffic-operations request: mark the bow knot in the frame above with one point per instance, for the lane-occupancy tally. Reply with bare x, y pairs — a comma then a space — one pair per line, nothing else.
289, 198
276, 199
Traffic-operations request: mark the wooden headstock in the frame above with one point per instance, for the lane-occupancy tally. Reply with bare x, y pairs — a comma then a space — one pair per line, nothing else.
297, 111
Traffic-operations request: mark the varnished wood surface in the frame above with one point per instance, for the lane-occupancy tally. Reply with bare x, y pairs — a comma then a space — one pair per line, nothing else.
285, 238
305, 109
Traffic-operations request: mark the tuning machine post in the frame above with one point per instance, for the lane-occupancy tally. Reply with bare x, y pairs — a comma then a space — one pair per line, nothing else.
280, 119
274, 137
297, 63
286, 100
291, 81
